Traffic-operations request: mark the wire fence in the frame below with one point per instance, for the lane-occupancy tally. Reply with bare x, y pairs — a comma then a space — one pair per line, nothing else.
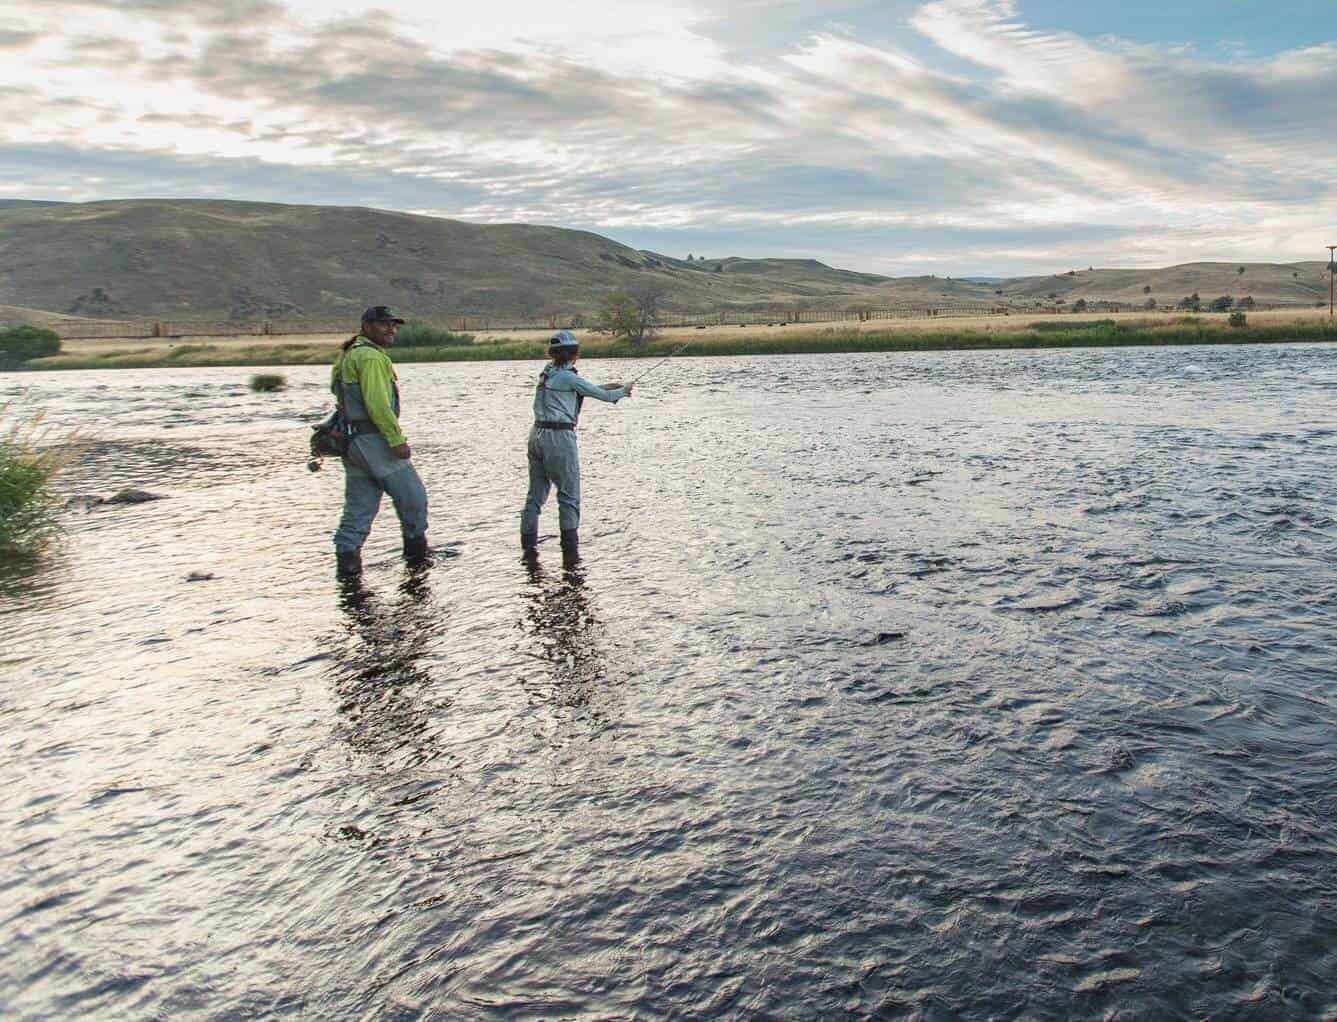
85, 329
139, 329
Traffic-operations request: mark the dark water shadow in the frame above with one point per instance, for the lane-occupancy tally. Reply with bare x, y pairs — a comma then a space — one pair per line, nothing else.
30, 578
106, 464
379, 671
568, 637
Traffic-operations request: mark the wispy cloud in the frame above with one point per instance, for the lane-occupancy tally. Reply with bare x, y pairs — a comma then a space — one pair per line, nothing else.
958, 137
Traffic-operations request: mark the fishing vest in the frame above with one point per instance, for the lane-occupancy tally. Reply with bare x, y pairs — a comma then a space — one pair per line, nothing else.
349, 395
543, 385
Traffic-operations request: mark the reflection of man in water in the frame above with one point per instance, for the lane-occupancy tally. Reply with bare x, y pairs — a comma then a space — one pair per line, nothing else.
377, 673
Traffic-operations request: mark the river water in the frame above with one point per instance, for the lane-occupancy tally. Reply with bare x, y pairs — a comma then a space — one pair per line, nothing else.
958, 685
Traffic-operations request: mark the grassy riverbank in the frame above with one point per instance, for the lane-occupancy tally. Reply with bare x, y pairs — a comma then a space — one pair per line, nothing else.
900, 337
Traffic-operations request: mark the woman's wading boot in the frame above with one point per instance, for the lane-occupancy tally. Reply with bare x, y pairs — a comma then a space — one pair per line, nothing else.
347, 563
570, 546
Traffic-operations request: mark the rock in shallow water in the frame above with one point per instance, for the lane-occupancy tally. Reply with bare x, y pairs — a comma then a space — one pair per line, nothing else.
885, 637
132, 496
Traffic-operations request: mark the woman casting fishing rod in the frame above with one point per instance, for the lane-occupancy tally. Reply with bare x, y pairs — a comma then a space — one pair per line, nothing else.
553, 457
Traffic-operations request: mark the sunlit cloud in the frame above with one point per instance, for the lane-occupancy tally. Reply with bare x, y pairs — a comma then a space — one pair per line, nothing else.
955, 135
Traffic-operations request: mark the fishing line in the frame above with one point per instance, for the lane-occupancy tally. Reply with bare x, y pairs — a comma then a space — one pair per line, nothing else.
676, 351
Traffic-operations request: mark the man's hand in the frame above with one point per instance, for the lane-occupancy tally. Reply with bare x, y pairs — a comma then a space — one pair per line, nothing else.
629, 386
402, 451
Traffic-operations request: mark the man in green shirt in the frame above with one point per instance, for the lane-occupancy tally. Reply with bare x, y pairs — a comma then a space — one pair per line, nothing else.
378, 460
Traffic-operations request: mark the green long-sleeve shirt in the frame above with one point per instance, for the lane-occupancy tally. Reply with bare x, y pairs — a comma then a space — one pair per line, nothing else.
368, 366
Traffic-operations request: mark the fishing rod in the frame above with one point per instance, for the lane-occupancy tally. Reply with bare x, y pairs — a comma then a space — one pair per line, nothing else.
676, 351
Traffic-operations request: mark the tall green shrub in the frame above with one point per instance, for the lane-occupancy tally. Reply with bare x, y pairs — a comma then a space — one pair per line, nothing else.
417, 334
27, 505
20, 343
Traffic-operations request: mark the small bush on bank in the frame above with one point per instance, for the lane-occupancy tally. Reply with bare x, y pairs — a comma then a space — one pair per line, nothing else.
27, 507
417, 334
182, 350
1046, 325
1238, 319
20, 343
264, 383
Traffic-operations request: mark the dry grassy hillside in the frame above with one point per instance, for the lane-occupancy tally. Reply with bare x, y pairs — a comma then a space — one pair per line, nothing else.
206, 259
1297, 284
218, 260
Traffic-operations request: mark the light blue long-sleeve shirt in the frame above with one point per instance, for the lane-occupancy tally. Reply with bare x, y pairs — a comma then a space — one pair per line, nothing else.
557, 397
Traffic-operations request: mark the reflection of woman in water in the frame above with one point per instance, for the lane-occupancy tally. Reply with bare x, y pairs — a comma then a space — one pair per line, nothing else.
561, 620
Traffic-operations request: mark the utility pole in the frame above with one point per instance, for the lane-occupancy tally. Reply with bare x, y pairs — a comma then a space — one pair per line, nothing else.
1332, 250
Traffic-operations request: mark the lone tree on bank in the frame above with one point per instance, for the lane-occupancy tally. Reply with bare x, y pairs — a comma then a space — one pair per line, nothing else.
617, 314
632, 314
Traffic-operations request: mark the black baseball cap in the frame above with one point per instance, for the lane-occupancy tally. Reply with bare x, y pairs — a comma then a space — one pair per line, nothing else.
380, 314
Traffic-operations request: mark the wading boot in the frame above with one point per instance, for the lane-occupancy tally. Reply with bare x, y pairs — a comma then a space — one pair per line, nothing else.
347, 563
570, 546
529, 541
416, 550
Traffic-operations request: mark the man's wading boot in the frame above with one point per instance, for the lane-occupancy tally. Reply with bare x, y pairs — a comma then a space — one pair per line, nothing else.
570, 546
347, 563
529, 542
416, 550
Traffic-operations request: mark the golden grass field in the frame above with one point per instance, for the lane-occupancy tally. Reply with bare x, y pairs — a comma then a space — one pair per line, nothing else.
998, 324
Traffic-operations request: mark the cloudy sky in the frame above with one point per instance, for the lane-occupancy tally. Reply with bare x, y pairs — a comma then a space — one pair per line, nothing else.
949, 136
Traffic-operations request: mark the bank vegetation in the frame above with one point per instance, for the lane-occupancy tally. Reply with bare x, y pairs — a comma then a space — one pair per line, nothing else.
29, 461
1074, 333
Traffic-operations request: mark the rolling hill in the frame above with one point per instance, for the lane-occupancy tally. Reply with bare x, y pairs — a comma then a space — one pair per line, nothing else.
219, 259
1299, 284
203, 258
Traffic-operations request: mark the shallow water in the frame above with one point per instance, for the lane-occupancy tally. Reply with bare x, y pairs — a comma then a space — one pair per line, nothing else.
952, 685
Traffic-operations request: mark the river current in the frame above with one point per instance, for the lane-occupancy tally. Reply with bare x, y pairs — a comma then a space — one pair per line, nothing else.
929, 686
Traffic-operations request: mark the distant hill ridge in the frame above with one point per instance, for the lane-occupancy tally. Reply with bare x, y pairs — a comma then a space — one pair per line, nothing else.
202, 258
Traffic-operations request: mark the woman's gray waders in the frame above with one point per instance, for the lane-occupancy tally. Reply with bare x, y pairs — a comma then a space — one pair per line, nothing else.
553, 459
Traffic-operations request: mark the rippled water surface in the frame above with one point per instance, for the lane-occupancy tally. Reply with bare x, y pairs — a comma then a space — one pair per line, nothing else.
961, 685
